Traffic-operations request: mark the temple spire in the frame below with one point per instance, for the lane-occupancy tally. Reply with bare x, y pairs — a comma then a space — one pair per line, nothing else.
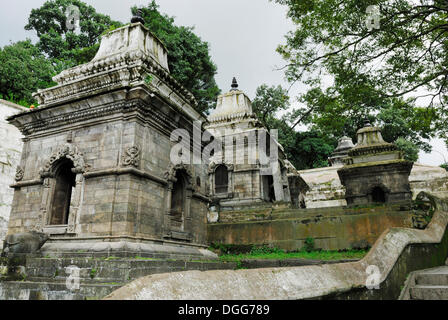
234, 85
367, 123
138, 17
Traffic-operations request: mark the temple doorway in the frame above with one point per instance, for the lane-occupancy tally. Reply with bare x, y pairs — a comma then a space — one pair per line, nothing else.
65, 181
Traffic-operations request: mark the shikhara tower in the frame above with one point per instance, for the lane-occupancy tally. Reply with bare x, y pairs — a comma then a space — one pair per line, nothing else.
96, 163
252, 166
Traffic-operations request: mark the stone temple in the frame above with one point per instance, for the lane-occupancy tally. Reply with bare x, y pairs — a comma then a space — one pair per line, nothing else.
375, 171
238, 175
96, 179
97, 175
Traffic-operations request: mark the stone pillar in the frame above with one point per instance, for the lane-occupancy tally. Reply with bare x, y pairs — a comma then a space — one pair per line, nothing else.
167, 216
76, 204
278, 182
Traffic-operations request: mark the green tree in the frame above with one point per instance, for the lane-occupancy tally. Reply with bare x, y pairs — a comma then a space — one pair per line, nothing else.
312, 149
373, 70
188, 56
268, 102
68, 46
23, 70
409, 149
305, 150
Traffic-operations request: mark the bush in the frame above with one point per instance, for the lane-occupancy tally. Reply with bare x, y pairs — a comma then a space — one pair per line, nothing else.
309, 244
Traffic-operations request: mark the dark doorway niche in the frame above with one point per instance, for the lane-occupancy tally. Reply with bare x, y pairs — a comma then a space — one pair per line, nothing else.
178, 202
271, 189
378, 195
221, 179
65, 181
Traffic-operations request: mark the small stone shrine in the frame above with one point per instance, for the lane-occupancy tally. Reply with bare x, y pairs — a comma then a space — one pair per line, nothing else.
345, 144
236, 175
375, 171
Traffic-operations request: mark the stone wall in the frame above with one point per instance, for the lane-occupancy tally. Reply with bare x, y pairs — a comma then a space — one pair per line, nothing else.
396, 253
326, 189
334, 228
10, 150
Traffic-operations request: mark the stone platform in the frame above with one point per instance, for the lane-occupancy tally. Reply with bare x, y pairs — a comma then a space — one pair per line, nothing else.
125, 248
46, 278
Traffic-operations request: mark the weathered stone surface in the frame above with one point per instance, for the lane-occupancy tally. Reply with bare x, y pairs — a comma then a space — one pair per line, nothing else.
47, 278
393, 253
334, 228
428, 284
326, 189
22, 243
345, 144
391, 177
10, 149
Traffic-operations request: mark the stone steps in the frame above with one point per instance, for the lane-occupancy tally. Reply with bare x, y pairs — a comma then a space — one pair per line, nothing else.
439, 278
429, 284
426, 292
120, 270
46, 278
27, 290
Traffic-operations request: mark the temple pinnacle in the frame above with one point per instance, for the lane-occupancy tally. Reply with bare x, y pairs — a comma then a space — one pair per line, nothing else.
138, 17
234, 84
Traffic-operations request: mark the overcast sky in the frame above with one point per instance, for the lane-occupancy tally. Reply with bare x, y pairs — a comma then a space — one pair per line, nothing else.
243, 36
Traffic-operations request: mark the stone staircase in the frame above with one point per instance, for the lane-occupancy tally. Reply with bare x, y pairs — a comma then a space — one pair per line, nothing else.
428, 284
49, 278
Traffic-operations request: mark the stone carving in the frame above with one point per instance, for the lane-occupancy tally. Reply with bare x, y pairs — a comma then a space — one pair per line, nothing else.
82, 114
132, 157
68, 151
19, 174
212, 167
22, 243
423, 210
170, 174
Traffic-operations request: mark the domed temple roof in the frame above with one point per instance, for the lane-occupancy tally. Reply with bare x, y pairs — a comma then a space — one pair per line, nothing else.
345, 144
232, 106
370, 141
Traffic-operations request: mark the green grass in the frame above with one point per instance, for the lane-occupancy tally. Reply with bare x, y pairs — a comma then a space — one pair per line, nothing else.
281, 255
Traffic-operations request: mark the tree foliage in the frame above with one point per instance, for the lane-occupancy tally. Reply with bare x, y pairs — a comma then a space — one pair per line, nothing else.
376, 73
409, 149
305, 150
268, 102
188, 56
23, 70
70, 46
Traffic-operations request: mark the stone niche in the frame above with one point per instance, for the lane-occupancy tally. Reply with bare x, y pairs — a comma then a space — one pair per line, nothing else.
375, 171
97, 174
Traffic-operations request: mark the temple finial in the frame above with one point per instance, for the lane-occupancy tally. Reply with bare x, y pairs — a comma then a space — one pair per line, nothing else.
234, 84
138, 17
367, 123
